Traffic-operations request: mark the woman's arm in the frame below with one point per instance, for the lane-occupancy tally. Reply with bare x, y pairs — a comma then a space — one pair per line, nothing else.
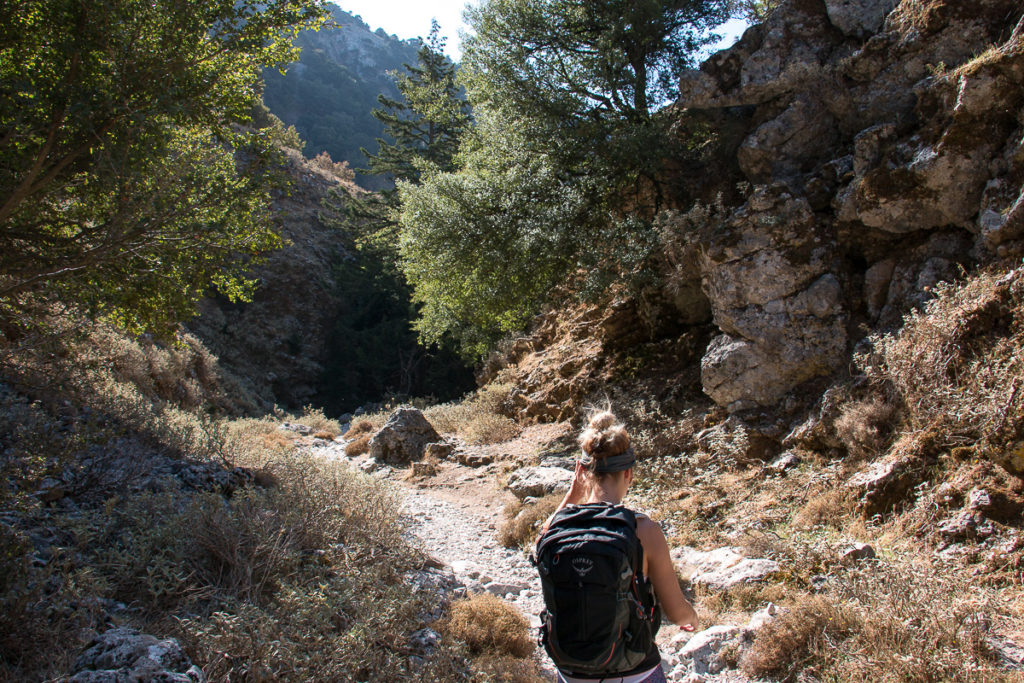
663, 575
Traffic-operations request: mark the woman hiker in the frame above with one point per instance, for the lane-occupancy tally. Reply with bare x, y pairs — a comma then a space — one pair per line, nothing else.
605, 571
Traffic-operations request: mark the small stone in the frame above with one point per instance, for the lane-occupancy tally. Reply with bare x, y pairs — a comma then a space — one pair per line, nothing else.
471, 459
50, 490
302, 429
702, 649
423, 469
854, 551
979, 499
438, 450
504, 589
425, 640
786, 461
762, 617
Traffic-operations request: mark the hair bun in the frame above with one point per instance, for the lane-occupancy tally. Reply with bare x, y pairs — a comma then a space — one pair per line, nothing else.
604, 437
602, 420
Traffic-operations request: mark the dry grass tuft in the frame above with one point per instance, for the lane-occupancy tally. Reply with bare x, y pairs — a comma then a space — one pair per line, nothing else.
488, 625
505, 669
522, 522
784, 645
359, 428
480, 419
865, 426
359, 446
832, 508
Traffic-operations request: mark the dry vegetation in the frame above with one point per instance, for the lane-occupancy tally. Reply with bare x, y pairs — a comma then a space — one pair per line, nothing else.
488, 625
941, 397
296, 570
522, 521
479, 419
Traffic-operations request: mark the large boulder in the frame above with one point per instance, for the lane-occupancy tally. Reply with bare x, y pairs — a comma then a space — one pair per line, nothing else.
780, 310
538, 481
123, 654
403, 438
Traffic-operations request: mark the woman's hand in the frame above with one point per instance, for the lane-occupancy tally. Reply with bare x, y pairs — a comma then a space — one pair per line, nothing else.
578, 488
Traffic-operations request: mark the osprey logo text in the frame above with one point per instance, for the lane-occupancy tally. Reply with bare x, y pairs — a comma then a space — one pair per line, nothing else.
582, 565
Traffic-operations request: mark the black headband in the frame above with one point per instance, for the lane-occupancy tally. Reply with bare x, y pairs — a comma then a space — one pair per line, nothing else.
614, 463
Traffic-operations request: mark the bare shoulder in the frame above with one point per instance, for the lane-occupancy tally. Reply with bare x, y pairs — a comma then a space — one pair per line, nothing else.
647, 528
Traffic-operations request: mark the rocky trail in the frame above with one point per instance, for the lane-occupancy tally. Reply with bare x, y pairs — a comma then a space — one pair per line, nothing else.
453, 512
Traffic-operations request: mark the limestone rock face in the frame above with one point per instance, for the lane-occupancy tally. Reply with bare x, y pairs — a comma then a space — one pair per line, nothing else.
123, 654
882, 154
780, 311
403, 438
858, 18
538, 481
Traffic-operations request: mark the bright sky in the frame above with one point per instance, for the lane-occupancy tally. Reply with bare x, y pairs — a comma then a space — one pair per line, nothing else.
411, 19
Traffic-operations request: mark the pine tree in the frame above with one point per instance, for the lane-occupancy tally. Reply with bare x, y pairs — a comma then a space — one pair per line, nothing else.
424, 128
428, 123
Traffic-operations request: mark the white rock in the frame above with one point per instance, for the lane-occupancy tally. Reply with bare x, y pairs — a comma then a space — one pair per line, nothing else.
538, 481
762, 617
724, 567
703, 648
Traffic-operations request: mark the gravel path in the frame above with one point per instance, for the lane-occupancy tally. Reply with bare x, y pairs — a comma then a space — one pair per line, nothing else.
468, 543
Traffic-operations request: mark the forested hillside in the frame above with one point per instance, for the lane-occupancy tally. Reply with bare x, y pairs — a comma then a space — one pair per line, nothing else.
329, 92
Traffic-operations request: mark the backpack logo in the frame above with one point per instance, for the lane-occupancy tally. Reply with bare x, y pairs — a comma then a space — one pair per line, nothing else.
582, 565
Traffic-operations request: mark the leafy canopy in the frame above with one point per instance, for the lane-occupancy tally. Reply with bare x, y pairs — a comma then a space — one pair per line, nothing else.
119, 187
564, 168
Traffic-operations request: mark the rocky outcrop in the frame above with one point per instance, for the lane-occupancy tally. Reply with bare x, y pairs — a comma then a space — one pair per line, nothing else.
278, 343
123, 654
883, 150
403, 438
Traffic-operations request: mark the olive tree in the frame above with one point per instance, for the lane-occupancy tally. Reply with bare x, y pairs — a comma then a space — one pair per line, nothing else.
120, 142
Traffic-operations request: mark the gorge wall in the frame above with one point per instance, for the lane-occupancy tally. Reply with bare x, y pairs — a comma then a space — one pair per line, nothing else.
867, 151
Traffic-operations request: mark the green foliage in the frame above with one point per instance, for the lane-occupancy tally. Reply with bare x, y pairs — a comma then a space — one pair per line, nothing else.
585, 61
755, 11
380, 355
428, 120
484, 246
424, 126
563, 173
121, 194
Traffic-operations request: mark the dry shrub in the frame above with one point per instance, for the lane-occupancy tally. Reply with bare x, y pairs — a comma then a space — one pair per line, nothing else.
881, 621
783, 646
865, 426
736, 602
522, 522
359, 428
479, 419
957, 363
359, 446
830, 508
488, 428
304, 581
322, 426
488, 625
